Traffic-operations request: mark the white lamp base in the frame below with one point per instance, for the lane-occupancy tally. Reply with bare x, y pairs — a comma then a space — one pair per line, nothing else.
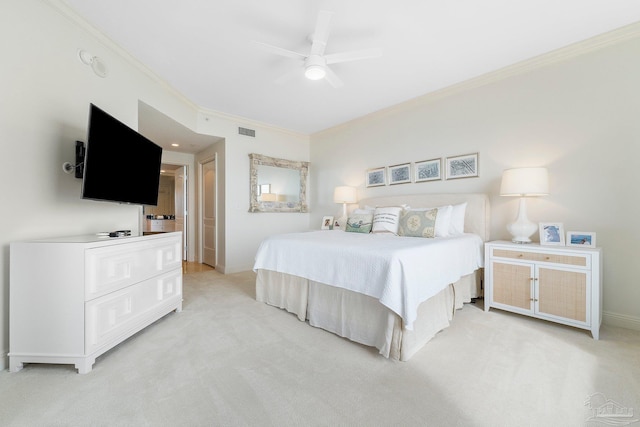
522, 228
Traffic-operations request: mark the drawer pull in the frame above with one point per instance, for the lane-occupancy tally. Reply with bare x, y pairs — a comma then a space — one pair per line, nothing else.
520, 255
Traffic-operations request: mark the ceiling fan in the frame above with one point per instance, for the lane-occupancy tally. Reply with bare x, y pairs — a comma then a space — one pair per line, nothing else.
316, 63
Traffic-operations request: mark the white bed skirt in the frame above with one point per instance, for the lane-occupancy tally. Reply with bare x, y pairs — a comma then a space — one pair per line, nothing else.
361, 318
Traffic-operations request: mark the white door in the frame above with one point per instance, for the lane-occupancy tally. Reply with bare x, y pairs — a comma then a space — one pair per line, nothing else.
209, 213
181, 206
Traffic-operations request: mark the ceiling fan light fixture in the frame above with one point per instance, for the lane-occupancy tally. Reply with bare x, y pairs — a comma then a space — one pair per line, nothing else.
315, 72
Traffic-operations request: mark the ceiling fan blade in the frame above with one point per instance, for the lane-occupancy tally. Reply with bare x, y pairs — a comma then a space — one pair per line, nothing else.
333, 78
321, 33
280, 51
354, 55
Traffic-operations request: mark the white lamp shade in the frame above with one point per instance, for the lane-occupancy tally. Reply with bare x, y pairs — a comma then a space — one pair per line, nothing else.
525, 182
269, 197
345, 194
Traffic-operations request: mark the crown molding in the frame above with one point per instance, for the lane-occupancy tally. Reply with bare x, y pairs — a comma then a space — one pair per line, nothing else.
592, 44
61, 7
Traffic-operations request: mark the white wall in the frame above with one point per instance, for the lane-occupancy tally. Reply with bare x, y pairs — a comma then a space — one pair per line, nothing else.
578, 117
244, 230
46, 92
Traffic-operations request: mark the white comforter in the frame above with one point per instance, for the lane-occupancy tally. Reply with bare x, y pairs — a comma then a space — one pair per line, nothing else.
401, 272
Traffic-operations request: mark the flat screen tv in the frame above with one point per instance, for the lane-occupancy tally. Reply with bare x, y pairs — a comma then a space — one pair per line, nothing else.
120, 165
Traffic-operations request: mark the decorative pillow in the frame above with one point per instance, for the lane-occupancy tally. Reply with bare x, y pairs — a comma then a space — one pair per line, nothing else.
385, 220
443, 220
457, 219
418, 223
359, 223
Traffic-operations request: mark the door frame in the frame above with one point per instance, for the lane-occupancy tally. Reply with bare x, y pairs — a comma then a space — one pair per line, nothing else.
186, 233
213, 158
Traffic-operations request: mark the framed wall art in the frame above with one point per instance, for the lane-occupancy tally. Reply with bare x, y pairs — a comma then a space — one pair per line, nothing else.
376, 177
465, 166
400, 174
427, 170
581, 238
551, 233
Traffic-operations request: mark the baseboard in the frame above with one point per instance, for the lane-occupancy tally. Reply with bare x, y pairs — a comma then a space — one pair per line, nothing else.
621, 320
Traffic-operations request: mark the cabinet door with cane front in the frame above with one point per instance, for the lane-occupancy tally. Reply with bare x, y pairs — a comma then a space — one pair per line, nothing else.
563, 294
512, 285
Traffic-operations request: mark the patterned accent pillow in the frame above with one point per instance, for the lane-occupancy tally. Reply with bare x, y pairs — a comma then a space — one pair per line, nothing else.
359, 223
385, 220
418, 223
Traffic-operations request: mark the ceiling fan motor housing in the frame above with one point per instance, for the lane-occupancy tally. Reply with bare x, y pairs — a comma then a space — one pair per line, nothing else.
315, 67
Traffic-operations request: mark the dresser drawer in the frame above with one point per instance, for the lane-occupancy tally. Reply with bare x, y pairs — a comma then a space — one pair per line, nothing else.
115, 267
575, 260
119, 313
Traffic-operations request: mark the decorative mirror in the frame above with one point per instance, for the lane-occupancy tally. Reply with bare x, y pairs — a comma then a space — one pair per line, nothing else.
277, 185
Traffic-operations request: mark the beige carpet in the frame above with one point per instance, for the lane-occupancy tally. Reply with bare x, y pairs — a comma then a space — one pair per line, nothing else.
228, 360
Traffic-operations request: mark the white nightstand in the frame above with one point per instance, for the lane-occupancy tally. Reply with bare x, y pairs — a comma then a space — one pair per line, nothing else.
556, 283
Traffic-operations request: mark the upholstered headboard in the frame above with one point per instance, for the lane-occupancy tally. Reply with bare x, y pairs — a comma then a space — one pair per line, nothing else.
477, 215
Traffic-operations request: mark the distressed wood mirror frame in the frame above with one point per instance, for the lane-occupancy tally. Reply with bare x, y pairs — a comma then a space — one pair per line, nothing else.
256, 205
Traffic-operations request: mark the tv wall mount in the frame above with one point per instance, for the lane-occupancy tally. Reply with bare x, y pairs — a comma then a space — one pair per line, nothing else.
78, 167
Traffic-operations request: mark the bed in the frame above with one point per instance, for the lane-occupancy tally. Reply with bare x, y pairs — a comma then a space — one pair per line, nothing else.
376, 288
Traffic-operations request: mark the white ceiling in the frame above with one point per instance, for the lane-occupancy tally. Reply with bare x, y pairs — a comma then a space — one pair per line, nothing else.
165, 132
205, 49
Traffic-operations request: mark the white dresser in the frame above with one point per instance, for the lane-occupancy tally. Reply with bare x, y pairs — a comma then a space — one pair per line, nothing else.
72, 299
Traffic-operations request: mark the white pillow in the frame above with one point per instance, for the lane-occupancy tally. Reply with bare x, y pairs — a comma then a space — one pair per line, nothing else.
385, 220
443, 219
364, 211
457, 219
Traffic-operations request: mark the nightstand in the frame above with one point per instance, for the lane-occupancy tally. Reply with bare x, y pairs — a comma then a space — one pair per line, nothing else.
556, 283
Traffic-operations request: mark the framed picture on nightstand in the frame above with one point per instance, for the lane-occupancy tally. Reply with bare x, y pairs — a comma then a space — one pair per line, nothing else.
327, 223
581, 238
551, 233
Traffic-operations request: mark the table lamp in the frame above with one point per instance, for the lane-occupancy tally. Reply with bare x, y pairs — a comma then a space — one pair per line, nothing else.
344, 195
524, 182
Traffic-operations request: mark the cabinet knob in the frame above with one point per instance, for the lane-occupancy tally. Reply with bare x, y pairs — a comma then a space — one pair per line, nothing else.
520, 255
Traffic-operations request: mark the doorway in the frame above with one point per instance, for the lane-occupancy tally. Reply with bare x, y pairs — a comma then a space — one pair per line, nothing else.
208, 226
172, 205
